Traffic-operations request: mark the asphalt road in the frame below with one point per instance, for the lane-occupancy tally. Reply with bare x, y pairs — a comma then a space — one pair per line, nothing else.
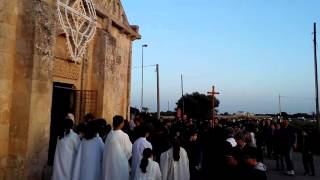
280, 175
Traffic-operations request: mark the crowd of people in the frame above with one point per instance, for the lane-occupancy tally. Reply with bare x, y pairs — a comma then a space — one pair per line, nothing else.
147, 149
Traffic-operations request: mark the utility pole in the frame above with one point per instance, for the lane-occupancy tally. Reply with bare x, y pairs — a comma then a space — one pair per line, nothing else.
182, 95
158, 92
213, 94
280, 106
316, 72
143, 46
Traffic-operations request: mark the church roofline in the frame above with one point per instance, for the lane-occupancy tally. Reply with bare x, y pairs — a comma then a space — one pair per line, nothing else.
121, 23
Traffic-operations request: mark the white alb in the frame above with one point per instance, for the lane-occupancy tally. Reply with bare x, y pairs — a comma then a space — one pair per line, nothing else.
64, 156
153, 172
174, 170
88, 164
116, 155
137, 152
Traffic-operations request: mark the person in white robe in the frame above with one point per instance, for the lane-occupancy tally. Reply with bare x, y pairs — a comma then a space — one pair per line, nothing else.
67, 146
148, 169
88, 164
138, 146
117, 152
174, 163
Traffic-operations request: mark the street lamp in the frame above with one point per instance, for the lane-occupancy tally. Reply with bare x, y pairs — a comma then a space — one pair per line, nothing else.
143, 46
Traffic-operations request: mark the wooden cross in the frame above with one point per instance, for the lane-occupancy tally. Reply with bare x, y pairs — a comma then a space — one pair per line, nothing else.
213, 94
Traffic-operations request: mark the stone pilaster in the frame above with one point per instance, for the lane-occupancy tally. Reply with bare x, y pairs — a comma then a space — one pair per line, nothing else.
8, 18
32, 90
41, 87
98, 70
129, 81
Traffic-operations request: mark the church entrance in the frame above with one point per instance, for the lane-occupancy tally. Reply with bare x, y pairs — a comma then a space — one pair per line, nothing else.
62, 103
66, 99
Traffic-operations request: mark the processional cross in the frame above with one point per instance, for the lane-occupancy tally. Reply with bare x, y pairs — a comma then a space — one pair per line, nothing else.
213, 94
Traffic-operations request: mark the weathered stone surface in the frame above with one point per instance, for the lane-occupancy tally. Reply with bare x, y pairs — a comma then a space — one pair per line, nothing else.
66, 69
4, 132
4, 151
112, 52
61, 50
112, 8
8, 17
8, 12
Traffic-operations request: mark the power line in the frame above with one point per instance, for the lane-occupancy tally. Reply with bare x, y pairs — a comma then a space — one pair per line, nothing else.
138, 67
297, 97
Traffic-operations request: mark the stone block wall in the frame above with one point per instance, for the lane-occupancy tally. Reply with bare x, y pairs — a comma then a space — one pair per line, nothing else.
8, 18
25, 86
31, 53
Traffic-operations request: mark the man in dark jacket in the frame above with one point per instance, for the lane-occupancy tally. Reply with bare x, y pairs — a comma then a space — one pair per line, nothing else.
278, 155
193, 150
213, 150
307, 152
288, 143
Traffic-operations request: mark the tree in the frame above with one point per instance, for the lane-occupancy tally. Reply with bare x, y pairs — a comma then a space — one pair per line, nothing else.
197, 106
145, 109
226, 114
134, 110
299, 115
284, 115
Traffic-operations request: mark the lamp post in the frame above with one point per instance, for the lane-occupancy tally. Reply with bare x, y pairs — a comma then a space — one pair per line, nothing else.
143, 46
158, 92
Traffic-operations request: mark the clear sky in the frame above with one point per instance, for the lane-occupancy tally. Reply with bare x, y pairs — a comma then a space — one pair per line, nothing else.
251, 50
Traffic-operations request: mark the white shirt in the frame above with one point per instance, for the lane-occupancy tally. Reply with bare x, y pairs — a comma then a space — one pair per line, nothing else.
116, 154
153, 172
232, 141
253, 142
137, 152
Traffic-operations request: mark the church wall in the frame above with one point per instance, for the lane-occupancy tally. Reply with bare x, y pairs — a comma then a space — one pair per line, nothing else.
111, 70
41, 90
124, 49
31, 90
65, 70
34, 55
116, 75
8, 18
18, 130
98, 68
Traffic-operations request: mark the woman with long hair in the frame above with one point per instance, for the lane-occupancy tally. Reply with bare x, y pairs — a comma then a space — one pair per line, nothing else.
148, 169
174, 163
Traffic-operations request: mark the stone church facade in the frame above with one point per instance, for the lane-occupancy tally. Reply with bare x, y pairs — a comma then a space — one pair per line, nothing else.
39, 83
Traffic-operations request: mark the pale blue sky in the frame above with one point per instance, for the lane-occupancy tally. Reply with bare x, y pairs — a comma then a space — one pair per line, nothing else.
251, 50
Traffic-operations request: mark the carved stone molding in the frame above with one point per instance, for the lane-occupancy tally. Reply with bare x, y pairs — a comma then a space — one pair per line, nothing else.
113, 8
65, 69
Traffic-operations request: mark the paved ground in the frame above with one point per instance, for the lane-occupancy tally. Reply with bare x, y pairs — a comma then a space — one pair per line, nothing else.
277, 175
